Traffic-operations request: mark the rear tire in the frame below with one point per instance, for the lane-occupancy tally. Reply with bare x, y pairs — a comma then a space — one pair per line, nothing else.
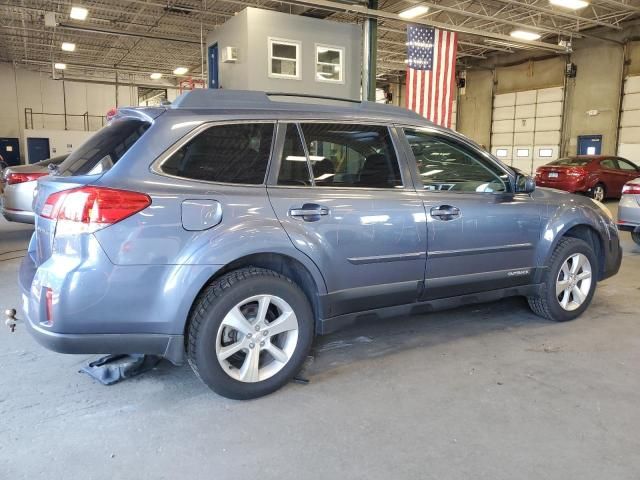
250, 332
635, 236
599, 192
569, 281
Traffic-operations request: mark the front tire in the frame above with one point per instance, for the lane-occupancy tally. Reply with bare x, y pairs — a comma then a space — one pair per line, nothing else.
570, 282
250, 332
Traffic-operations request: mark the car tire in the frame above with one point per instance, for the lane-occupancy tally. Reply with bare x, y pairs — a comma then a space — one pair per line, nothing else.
599, 192
635, 236
569, 281
235, 355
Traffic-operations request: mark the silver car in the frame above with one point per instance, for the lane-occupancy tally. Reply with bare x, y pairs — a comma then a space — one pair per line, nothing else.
19, 184
629, 210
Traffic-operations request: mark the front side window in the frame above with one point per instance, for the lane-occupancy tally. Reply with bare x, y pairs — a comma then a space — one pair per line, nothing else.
329, 64
608, 163
443, 164
284, 59
237, 153
351, 155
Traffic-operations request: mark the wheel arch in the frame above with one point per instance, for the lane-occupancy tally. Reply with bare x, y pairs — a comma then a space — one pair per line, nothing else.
586, 233
288, 266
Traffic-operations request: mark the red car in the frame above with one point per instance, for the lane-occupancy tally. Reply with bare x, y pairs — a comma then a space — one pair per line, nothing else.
599, 176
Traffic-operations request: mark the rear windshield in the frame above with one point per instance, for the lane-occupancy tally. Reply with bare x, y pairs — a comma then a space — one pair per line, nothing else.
102, 150
572, 162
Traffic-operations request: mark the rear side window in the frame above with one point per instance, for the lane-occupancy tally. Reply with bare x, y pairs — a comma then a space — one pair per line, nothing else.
102, 150
351, 155
237, 153
571, 162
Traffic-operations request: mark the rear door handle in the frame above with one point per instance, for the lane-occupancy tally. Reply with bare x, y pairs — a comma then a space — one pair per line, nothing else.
445, 212
310, 212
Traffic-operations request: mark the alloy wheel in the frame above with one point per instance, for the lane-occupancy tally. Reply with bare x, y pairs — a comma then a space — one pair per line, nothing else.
257, 338
574, 282
598, 193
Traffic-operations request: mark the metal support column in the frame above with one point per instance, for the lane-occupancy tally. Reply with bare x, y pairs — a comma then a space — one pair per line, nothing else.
369, 54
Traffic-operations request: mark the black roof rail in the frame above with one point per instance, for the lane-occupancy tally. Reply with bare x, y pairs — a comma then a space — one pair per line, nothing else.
308, 95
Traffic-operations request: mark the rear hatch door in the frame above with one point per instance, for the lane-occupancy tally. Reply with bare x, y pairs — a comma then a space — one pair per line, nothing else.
83, 167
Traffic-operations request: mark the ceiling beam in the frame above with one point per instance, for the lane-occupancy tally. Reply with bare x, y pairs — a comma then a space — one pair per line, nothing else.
380, 14
125, 33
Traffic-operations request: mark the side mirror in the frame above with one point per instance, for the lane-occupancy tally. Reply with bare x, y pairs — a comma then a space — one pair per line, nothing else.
525, 184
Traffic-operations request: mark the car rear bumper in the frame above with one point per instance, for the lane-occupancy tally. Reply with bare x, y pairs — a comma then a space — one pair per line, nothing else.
98, 307
578, 185
629, 213
20, 216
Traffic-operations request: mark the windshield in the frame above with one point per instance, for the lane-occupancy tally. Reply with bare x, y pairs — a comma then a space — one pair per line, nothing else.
571, 162
103, 149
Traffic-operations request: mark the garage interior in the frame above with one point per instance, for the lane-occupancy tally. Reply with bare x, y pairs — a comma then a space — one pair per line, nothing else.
483, 391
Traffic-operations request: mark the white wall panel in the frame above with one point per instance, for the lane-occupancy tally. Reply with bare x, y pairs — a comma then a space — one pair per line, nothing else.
526, 98
553, 109
631, 101
504, 113
525, 111
502, 126
547, 138
525, 125
547, 95
632, 84
504, 100
549, 124
523, 138
502, 139
630, 118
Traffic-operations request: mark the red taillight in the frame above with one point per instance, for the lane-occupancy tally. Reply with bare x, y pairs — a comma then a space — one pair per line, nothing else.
631, 189
13, 178
48, 306
93, 208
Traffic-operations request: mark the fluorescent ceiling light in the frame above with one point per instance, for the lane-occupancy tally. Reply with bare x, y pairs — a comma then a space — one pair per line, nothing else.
60, 66
571, 4
68, 46
155, 76
180, 71
414, 12
524, 35
79, 13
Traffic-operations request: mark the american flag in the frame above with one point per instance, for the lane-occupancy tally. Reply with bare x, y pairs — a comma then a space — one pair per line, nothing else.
431, 72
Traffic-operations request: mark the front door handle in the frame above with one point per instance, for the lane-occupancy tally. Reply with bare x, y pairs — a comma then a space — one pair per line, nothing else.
310, 212
445, 212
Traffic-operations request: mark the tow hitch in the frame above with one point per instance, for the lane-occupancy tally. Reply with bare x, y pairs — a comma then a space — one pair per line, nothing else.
11, 320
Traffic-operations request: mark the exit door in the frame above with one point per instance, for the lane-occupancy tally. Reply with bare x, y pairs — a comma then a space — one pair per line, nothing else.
37, 149
590, 145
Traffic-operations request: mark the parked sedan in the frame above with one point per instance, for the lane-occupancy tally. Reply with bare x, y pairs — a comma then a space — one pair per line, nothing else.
629, 210
19, 184
598, 176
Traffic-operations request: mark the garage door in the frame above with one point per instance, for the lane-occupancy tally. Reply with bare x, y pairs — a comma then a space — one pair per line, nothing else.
629, 138
526, 127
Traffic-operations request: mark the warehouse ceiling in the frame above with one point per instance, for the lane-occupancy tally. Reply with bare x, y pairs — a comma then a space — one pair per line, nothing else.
137, 37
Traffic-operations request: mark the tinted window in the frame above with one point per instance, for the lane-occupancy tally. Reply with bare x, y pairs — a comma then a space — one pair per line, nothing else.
571, 162
294, 169
608, 163
445, 165
227, 153
104, 148
626, 165
344, 155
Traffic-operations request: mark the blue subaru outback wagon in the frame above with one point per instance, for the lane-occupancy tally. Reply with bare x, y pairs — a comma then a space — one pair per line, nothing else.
231, 227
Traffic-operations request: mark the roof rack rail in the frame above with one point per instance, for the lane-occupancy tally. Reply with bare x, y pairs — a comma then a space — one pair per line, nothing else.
308, 95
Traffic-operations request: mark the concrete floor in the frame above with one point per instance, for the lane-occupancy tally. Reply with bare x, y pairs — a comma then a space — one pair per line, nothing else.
486, 392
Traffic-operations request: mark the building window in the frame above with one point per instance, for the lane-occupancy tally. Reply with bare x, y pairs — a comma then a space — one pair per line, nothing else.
545, 153
284, 59
522, 152
329, 64
502, 152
